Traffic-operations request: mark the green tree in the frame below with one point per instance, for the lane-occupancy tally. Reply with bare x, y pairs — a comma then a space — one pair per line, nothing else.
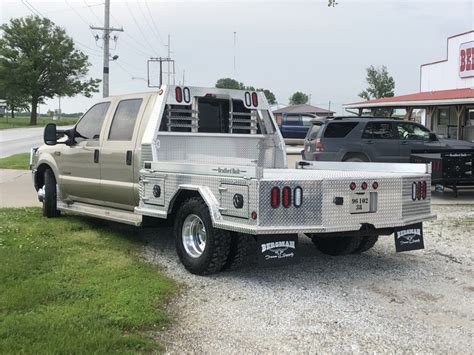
381, 84
229, 83
38, 61
269, 95
298, 98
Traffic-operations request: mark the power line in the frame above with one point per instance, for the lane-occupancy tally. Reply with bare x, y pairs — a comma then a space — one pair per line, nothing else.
32, 8
148, 23
139, 28
92, 11
154, 24
77, 13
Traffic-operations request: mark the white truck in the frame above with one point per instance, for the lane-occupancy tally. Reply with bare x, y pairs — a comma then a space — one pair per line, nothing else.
214, 162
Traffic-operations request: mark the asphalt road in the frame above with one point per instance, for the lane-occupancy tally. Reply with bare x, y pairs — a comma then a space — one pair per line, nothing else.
20, 140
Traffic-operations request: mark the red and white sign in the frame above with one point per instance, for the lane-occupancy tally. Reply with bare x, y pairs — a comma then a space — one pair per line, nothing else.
466, 59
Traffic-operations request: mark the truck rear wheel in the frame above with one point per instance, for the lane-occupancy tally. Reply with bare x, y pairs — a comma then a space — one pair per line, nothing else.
50, 198
202, 249
366, 243
336, 245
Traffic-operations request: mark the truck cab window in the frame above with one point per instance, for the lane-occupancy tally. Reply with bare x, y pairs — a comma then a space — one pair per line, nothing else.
124, 120
410, 131
91, 123
213, 115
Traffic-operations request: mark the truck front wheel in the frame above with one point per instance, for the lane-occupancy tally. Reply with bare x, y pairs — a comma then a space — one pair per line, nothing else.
50, 198
202, 249
336, 245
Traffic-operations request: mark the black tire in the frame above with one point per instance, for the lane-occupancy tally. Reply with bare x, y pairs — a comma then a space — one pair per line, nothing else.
336, 245
366, 243
216, 250
356, 159
50, 200
238, 251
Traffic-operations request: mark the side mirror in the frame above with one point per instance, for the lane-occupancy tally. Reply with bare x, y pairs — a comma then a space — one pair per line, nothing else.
50, 134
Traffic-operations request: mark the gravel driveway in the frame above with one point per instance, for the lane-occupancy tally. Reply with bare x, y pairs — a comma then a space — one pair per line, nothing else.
376, 302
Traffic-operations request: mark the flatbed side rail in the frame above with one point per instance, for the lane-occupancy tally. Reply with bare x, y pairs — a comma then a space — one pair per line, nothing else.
403, 168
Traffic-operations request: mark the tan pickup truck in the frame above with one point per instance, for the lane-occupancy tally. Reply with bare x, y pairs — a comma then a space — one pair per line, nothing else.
214, 162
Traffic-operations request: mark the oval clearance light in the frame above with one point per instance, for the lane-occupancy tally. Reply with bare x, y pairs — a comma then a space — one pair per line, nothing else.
178, 94
254, 99
187, 95
423, 190
254, 215
286, 197
248, 100
418, 190
298, 196
375, 185
275, 197
413, 191
353, 186
364, 186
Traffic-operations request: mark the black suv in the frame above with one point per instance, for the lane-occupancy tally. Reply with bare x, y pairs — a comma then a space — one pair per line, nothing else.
372, 139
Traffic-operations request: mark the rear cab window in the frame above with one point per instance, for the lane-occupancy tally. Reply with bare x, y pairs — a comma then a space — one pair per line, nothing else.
339, 129
123, 122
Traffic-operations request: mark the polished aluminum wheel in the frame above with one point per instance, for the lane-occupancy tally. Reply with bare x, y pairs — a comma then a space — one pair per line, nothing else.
193, 235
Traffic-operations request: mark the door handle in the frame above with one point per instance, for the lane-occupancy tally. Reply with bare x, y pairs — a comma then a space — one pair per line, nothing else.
404, 142
128, 157
369, 142
96, 155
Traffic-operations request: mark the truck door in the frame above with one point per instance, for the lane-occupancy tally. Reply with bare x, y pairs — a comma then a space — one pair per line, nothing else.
291, 126
413, 137
379, 142
118, 154
79, 168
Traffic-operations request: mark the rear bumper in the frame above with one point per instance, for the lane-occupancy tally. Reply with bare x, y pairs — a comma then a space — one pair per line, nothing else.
382, 228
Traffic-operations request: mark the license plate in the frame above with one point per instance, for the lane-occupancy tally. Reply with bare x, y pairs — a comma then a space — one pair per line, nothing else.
409, 238
360, 203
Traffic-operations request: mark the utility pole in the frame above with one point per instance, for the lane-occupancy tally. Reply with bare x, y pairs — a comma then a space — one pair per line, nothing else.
235, 42
160, 60
184, 71
106, 37
169, 56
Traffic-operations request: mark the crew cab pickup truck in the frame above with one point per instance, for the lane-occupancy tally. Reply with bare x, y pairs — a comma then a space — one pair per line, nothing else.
213, 162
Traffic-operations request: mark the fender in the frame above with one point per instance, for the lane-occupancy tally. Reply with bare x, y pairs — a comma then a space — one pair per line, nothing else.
208, 197
47, 160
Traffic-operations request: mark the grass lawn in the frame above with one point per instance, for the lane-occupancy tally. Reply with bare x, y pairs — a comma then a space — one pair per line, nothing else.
76, 285
24, 121
17, 161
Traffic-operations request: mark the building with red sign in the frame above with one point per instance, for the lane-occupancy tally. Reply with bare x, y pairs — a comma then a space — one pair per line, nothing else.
446, 97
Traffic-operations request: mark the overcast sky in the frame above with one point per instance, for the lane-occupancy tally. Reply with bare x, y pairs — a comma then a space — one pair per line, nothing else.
281, 45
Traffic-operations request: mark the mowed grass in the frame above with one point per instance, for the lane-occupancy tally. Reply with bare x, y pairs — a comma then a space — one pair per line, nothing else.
17, 161
24, 121
76, 285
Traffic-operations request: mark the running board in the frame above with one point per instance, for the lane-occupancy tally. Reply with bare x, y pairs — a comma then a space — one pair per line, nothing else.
111, 214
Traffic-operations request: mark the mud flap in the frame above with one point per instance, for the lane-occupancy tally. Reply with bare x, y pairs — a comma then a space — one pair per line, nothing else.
409, 238
276, 250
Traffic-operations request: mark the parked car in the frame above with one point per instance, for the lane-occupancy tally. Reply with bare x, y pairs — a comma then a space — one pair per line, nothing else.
372, 139
295, 126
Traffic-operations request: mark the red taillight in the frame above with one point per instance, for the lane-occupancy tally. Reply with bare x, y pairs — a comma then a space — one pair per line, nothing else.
423, 190
254, 215
418, 190
375, 185
286, 197
254, 99
178, 94
319, 145
353, 186
364, 186
275, 197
